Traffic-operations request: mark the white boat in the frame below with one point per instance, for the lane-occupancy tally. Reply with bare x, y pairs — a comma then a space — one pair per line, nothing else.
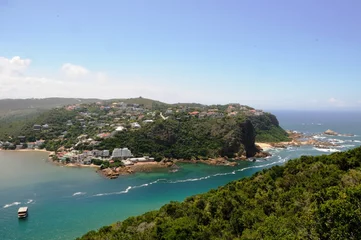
23, 212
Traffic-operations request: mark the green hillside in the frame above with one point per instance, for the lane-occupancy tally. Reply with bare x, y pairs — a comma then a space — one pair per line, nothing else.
19, 108
307, 198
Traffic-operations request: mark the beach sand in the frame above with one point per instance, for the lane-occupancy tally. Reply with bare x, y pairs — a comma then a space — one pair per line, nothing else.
264, 146
28, 150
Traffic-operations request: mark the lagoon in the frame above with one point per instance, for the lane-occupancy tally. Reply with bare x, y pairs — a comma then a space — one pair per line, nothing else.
65, 203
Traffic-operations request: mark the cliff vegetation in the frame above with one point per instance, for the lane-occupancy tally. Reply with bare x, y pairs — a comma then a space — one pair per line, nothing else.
307, 198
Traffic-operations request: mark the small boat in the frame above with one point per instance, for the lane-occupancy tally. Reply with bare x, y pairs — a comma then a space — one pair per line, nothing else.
23, 212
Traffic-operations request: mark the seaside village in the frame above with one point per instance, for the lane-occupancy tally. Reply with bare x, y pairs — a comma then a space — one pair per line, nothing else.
102, 120
87, 157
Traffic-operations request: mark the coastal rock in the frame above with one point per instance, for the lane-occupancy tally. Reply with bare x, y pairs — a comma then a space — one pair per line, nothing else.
278, 145
262, 155
330, 132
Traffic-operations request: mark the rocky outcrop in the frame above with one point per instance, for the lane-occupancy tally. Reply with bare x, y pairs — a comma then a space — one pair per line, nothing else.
330, 132
249, 138
262, 155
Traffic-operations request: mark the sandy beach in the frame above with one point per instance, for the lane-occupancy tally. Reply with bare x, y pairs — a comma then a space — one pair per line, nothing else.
27, 150
264, 146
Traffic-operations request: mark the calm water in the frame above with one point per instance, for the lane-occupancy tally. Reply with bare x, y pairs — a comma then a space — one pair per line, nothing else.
65, 203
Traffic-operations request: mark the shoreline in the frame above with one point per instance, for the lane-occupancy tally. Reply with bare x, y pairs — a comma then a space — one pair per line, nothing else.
26, 150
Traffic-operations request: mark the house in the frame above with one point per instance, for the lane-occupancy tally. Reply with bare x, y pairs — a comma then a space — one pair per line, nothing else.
37, 127
202, 115
31, 145
103, 135
135, 125
21, 138
120, 129
148, 121
169, 111
195, 113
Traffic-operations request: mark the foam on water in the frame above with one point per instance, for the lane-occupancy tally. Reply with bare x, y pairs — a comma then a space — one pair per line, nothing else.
332, 150
29, 201
11, 204
165, 181
79, 193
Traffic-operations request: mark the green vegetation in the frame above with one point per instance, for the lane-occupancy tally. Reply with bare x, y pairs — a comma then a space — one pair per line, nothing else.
107, 164
268, 129
189, 130
191, 138
307, 198
18, 108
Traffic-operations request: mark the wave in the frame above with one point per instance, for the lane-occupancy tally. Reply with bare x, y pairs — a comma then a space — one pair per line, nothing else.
319, 137
12, 204
113, 193
281, 160
79, 193
29, 201
347, 146
333, 140
332, 150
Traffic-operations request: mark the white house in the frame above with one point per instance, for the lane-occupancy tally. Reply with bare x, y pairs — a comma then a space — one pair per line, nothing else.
120, 128
135, 125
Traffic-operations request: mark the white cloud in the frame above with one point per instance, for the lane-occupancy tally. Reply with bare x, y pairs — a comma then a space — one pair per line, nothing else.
13, 66
72, 70
336, 102
70, 83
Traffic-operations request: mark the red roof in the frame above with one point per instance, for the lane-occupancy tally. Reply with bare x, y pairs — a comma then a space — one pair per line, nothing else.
194, 113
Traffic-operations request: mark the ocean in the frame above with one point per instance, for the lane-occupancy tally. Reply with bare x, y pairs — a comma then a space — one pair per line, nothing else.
65, 203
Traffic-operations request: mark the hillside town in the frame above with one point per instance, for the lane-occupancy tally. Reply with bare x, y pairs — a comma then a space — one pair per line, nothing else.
103, 120
74, 134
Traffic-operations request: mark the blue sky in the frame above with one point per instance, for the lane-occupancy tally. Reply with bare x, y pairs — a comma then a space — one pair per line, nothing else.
268, 54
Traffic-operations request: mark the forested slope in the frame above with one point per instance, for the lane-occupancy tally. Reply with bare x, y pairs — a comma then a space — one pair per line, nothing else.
307, 198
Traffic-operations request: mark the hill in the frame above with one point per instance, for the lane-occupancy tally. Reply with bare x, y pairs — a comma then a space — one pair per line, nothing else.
307, 198
17, 108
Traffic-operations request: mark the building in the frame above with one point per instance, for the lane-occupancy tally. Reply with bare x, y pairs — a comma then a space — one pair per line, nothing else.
120, 128
106, 153
127, 162
121, 153
141, 159
21, 138
148, 121
135, 125
37, 127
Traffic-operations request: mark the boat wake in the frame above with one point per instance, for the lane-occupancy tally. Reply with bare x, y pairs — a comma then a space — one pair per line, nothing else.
165, 181
12, 204
79, 193
30, 201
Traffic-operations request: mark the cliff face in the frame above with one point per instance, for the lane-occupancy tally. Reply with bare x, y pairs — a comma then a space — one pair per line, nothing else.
249, 138
193, 138
267, 128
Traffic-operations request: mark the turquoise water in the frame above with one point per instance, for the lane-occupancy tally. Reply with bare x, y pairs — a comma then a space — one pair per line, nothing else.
67, 202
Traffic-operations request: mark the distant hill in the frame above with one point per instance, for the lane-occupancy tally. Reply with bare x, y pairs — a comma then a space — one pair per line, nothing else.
20, 108
146, 102
10, 108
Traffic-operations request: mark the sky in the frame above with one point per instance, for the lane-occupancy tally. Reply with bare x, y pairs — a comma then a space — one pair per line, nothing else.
280, 54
